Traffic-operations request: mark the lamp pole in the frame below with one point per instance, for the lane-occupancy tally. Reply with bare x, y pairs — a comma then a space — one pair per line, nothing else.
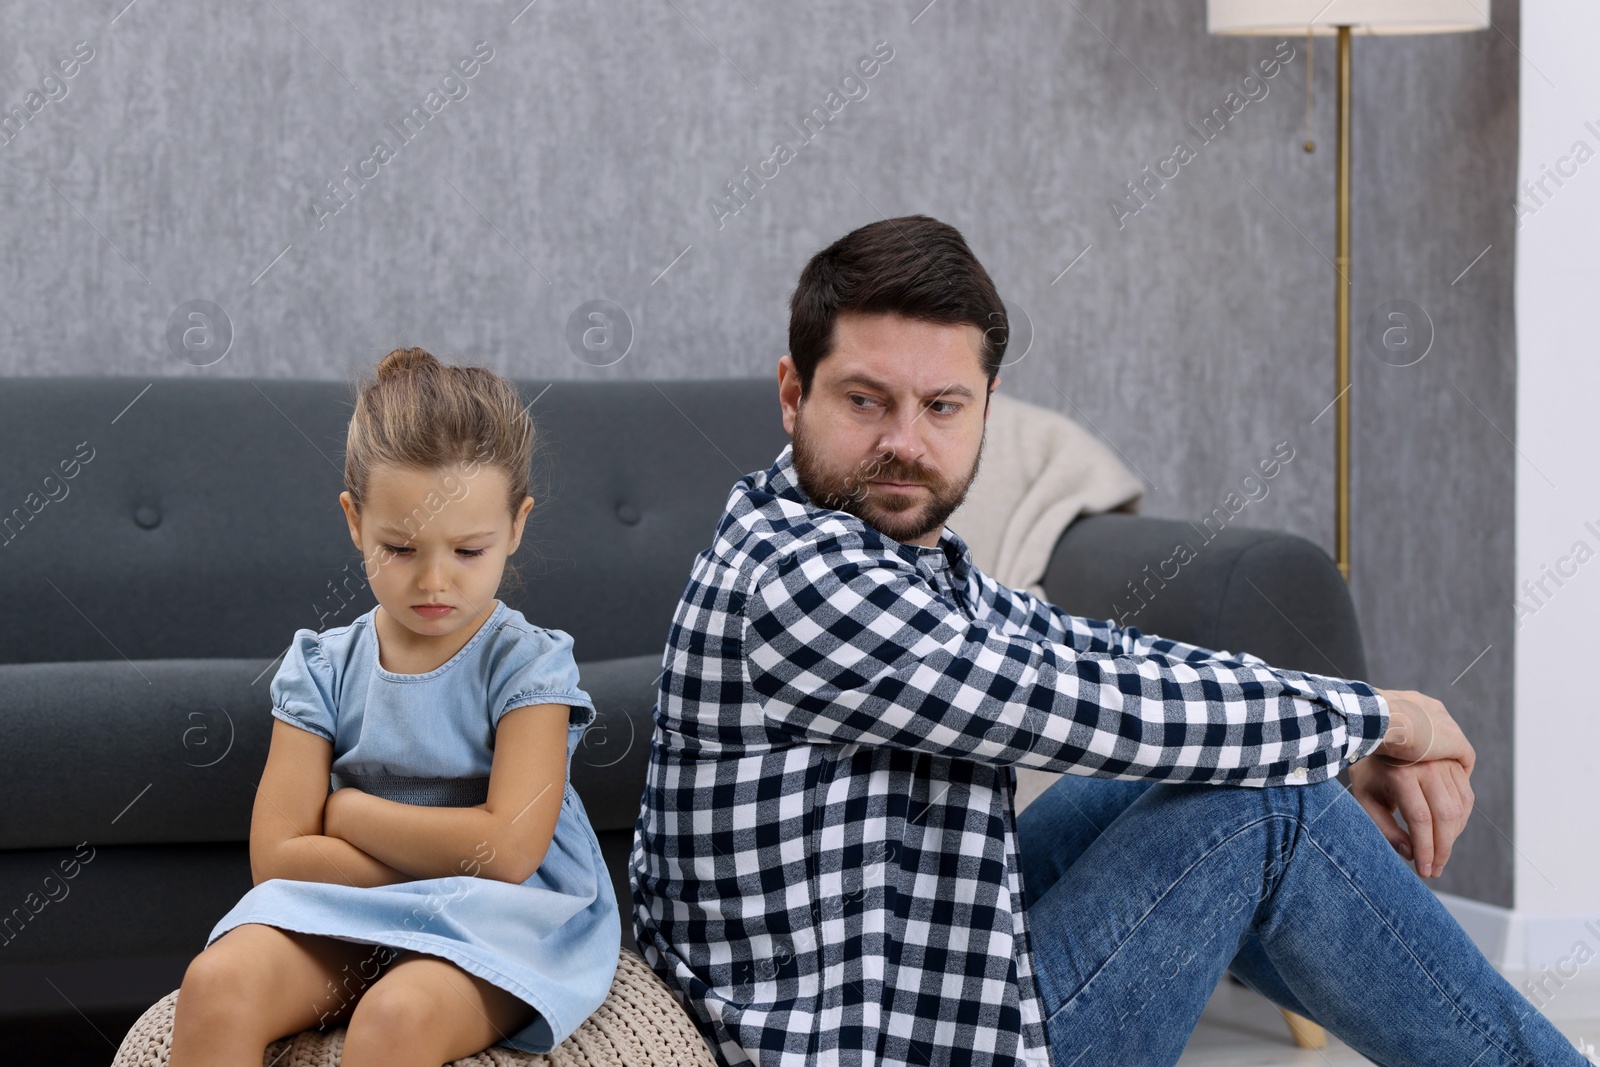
1341, 517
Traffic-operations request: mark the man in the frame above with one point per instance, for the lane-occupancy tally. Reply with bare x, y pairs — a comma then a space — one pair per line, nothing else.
825, 867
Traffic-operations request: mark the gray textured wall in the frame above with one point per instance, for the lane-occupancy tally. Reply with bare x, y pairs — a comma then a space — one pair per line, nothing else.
182, 162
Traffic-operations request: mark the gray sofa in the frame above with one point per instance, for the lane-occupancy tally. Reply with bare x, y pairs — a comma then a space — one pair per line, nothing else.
161, 540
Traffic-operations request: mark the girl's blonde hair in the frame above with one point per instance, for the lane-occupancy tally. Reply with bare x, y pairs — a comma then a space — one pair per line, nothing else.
417, 412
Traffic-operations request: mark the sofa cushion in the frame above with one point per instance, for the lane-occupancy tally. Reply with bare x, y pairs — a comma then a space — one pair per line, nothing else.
1240, 589
170, 751
132, 752
199, 517
613, 756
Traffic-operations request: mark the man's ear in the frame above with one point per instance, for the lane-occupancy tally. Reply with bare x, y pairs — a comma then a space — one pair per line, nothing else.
788, 391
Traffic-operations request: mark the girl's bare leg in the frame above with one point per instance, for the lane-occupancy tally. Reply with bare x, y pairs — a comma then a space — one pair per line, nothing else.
257, 983
426, 1011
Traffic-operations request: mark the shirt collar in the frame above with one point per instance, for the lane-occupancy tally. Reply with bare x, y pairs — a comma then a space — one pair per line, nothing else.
782, 481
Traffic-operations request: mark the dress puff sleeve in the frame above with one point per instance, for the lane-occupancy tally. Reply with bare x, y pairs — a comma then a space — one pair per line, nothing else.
302, 690
540, 670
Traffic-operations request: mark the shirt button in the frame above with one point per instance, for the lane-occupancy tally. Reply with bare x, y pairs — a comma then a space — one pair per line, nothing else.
1298, 774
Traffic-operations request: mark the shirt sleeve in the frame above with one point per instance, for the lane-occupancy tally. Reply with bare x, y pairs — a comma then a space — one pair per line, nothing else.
1098, 635
846, 644
302, 690
542, 671
1033, 614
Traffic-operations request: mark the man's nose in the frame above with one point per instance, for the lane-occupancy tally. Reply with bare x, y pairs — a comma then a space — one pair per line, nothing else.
903, 434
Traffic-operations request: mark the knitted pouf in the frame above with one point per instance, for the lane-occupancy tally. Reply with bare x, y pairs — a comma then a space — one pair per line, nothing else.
641, 1024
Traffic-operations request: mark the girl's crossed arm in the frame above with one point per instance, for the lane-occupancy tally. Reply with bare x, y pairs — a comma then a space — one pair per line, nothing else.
287, 836
505, 837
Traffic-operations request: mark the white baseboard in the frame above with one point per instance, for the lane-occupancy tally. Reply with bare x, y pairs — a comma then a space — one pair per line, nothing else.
1529, 944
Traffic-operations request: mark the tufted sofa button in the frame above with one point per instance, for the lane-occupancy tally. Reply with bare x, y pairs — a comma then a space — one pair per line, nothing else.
147, 516
628, 514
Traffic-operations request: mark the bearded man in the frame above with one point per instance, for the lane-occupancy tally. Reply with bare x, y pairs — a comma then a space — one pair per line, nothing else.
827, 867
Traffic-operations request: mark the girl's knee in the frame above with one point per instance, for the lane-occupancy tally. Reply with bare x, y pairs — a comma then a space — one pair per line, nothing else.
261, 980
398, 1014
429, 1010
221, 982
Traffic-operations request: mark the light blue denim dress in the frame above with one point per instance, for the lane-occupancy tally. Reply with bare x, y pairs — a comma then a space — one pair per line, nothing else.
428, 739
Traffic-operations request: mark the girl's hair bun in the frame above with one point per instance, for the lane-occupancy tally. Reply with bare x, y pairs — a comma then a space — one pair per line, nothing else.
403, 360
419, 413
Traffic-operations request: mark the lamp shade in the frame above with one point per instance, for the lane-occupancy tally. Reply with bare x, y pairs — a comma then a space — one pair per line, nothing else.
1279, 17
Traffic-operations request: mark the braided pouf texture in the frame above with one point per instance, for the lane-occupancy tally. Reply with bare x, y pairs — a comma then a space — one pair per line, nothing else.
641, 1024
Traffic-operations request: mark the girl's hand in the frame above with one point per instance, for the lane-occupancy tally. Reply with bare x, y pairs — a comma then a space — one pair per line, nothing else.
335, 809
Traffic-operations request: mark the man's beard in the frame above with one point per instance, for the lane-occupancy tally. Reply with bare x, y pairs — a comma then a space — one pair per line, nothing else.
903, 517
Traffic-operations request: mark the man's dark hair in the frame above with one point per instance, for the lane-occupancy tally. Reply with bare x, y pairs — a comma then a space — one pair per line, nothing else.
915, 266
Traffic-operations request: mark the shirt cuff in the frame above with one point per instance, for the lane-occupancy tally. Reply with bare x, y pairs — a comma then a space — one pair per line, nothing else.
1366, 723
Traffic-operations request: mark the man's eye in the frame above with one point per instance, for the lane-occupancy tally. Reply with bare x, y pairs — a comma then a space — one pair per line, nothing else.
950, 404
857, 396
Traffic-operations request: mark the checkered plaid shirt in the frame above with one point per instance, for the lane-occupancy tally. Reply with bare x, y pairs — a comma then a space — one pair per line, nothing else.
825, 865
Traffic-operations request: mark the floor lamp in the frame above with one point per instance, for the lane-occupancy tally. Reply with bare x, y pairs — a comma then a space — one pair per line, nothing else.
1289, 18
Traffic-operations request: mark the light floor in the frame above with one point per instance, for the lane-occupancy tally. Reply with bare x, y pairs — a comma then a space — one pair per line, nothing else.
1241, 1029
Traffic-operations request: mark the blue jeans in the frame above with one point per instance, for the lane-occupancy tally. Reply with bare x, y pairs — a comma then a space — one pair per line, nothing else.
1140, 895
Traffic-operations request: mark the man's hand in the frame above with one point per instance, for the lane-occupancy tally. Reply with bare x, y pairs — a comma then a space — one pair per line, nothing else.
1422, 768
1434, 796
1420, 729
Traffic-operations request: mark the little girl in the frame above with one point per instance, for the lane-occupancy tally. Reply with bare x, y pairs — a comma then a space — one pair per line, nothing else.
424, 873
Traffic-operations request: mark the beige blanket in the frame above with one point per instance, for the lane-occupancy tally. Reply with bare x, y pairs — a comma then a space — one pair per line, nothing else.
1040, 470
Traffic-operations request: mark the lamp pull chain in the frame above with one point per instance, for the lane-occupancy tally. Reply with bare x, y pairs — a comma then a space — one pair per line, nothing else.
1310, 145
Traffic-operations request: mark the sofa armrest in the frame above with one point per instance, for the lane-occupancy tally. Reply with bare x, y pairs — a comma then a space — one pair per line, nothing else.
1274, 594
